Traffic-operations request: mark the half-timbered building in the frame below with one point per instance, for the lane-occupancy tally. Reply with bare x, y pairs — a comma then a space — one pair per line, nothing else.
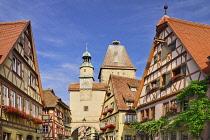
179, 54
56, 117
117, 111
20, 84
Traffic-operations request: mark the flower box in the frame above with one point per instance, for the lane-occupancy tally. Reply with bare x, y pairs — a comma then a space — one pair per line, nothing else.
175, 78
103, 128
104, 113
153, 89
110, 109
15, 111
110, 126
173, 108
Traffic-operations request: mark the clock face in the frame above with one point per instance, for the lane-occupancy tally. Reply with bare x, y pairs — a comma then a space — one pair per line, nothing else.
85, 83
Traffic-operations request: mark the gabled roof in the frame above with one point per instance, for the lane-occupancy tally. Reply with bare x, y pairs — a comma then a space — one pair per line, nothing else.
117, 57
96, 86
51, 100
9, 33
194, 36
122, 90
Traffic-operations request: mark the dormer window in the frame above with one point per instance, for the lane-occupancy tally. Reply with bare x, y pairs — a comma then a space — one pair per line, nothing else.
133, 89
129, 103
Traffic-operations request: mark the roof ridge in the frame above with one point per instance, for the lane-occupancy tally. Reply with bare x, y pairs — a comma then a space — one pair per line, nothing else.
190, 22
14, 22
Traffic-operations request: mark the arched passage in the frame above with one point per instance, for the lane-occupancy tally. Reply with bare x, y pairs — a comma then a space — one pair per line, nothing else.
29, 137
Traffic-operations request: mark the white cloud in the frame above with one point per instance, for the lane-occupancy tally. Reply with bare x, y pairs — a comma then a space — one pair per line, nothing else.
47, 54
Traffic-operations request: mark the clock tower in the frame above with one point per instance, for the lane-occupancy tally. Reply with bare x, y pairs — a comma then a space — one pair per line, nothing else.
86, 71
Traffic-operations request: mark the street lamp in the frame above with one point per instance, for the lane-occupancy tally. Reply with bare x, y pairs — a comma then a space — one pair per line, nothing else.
84, 120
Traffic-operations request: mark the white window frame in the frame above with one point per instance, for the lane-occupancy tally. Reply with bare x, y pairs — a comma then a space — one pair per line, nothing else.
12, 98
33, 110
19, 102
32, 81
18, 67
5, 92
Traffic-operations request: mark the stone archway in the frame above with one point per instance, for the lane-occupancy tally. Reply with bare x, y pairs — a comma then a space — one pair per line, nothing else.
75, 131
29, 137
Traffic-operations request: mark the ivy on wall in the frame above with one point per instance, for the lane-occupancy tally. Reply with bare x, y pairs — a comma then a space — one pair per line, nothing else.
192, 118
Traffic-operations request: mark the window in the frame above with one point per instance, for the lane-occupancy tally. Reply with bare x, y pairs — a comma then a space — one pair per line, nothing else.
19, 102
133, 89
152, 112
44, 128
164, 51
184, 136
147, 113
5, 95
45, 111
32, 81
142, 115
172, 46
173, 135
130, 117
105, 109
184, 104
166, 78
85, 108
36, 111
27, 107
127, 137
173, 105
112, 105
33, 110
129, 103
84, 70
165, 108
16, 66
13, 99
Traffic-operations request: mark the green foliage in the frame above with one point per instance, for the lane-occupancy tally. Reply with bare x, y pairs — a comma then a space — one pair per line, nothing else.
197, 111
192, 118
150, 127
194, 88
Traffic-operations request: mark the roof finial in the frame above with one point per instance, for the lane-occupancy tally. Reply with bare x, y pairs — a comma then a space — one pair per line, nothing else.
116, 42
165, 7
86, 46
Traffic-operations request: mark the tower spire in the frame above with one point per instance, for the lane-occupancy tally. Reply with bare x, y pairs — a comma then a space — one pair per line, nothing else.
86, 46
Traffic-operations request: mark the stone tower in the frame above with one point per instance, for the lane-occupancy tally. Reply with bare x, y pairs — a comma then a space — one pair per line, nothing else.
86, 97
116, 62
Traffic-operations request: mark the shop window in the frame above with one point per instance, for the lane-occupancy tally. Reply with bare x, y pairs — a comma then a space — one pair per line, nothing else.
184, 136
173, 136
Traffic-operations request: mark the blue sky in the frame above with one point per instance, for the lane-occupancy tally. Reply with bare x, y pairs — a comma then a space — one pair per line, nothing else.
61, 29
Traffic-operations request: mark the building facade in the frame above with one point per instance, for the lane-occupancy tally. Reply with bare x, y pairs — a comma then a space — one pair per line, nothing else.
21, 91
56, 118
117, 111
178, 55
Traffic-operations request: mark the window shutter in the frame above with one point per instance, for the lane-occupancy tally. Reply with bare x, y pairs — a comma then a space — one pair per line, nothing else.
2, 91
164, 51
183, 69
168, 76
158, 82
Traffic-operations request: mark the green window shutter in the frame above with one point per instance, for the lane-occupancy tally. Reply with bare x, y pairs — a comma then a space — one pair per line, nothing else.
164, 51
158, 82
168, 76
183, 69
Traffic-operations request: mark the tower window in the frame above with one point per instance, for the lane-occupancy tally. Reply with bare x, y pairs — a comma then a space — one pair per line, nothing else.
85, 108
84, 70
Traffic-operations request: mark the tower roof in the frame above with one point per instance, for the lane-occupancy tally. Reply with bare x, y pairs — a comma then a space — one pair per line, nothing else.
117, 57
86, 57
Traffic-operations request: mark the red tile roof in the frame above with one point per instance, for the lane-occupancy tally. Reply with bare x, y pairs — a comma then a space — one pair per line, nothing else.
117, 57
96, 86
9, 33
194, 36
51, 100
122, 90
